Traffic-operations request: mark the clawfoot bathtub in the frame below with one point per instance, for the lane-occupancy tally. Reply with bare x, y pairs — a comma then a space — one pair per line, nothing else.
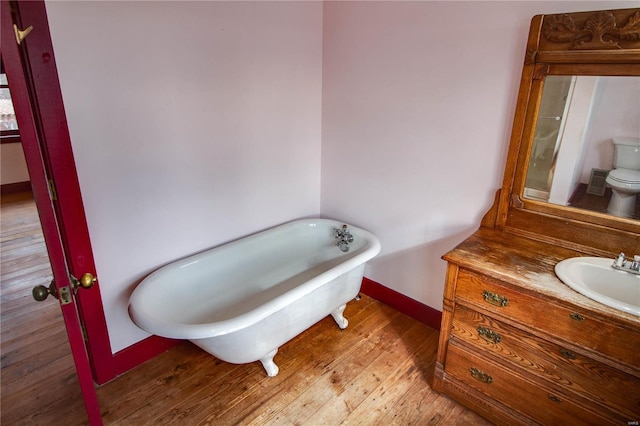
241, 301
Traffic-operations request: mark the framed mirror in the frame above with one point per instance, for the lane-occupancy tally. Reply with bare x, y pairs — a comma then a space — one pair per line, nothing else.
573, 169
586, 127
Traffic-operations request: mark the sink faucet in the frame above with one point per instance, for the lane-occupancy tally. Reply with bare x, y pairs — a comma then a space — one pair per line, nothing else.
344, 238
624, 264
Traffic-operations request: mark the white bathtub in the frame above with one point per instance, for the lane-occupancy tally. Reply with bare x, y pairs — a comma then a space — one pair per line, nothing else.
242, 300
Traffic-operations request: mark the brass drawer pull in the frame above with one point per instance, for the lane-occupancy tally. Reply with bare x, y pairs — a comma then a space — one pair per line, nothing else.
488, 335
566, 353
576, 317
481, 376
554, 398
495, 299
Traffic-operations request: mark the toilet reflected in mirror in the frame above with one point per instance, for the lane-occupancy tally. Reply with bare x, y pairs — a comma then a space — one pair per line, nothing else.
624, 179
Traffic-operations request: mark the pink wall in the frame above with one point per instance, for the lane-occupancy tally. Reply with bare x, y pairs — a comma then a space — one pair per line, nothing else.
418, 102
192, 124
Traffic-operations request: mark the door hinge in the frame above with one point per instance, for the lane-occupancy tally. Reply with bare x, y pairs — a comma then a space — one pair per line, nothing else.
52, 190
84, 331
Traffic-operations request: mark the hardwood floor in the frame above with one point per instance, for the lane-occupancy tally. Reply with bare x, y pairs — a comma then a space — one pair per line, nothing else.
377, 371
37, 373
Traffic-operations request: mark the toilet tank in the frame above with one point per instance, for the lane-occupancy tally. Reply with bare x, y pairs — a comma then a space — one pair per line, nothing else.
626, 154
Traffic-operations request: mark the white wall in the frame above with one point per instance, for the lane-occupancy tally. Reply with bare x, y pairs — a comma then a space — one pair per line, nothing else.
616, 114
418, 103
192, 123
13, 167
570, 155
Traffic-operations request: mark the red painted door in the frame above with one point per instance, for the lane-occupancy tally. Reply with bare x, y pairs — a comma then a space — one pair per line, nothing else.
33, 131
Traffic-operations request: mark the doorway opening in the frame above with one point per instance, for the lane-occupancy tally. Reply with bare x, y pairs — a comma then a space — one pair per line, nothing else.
37, 369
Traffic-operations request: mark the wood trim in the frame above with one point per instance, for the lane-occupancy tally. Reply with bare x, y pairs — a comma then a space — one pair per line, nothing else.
408, 306
490, 217
529, 126
447, 319
614, 70
514, 145
572, 234
7, 137
598, 219
16, 187
141, 352
610, 36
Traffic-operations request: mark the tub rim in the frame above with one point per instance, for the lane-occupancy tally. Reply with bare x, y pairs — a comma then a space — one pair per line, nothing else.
152, 323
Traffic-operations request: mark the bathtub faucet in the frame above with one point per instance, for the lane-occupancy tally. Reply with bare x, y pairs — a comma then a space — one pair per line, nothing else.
344, 238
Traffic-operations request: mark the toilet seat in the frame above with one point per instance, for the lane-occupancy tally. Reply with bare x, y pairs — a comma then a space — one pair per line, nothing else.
624, 177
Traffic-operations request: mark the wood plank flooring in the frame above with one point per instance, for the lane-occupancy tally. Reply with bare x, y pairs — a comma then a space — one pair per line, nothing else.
376, 372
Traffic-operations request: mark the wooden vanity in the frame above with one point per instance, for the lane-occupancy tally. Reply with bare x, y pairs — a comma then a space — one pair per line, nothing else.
517, 345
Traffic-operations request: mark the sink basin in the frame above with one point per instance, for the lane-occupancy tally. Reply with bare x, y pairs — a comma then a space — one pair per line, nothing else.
594, 278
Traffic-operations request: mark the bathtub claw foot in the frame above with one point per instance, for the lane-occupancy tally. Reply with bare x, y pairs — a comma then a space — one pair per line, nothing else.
268, 364
339, 318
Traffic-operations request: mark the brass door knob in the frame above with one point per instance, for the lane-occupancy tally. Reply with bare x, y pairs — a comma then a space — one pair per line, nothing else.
87, 280
41, 292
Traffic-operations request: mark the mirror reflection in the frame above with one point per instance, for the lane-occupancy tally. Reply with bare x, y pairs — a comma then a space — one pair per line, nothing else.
586, 148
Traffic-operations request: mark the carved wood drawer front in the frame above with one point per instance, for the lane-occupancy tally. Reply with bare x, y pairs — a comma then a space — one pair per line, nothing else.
544, 405
617, 391
578, 327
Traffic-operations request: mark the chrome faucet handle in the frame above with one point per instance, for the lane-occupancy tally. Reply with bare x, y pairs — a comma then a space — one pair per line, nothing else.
623, 264
344, 237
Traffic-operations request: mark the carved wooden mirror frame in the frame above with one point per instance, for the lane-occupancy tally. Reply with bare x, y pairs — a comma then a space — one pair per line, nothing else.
601, 43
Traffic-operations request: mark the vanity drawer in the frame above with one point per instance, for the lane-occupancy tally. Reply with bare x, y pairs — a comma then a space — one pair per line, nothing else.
548, 318
499, 383
605, 385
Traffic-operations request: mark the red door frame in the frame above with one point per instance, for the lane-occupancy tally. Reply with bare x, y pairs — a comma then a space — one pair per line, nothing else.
41, 69
46, 100
28, 122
